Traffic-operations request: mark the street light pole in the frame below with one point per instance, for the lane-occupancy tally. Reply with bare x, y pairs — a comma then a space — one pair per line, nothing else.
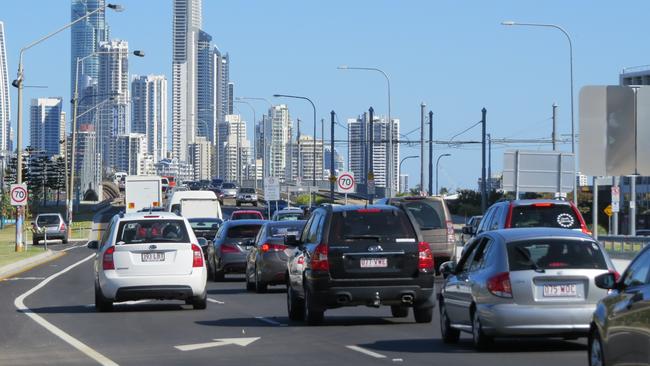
389, 153
18, 83
437, 163
314, 107
400, 188
568, 37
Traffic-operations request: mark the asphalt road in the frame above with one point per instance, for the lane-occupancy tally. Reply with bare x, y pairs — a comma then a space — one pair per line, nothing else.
150, 332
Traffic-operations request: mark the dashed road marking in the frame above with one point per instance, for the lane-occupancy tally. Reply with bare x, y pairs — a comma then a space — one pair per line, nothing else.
80, 346
215, 301
270, 321
365, 351
23, 278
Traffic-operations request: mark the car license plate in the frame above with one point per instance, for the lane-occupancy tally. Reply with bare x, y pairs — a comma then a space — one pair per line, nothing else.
374, 262
569, 290
153, 257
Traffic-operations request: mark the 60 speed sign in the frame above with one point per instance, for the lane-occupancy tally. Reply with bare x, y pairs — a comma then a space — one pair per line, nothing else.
345, 183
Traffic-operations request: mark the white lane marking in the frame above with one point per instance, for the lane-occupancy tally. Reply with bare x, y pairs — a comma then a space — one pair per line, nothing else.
74, 247
215, 301
270, 321
365, 351
81, 347
242, 342
23, 278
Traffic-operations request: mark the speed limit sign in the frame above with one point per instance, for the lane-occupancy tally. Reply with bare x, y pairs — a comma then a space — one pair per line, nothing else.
18, 194
345, 183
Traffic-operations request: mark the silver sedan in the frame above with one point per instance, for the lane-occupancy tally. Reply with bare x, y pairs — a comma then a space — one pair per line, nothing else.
522, 282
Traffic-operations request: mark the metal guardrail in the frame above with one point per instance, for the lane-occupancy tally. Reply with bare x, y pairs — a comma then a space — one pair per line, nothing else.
623, 244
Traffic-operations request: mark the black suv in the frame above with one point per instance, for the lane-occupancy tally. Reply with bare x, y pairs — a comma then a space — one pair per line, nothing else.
356, 255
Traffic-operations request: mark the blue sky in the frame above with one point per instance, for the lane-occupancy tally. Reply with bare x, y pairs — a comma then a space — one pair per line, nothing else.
453, 55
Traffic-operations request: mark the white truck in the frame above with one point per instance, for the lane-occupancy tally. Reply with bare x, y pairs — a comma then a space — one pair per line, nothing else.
195, 204
142, 192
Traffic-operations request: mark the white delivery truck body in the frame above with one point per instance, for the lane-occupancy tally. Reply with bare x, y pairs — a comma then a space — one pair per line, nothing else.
193, 204
142, 192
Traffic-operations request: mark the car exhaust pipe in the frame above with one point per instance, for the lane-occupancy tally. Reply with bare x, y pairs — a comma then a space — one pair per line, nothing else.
377, 302
407, 299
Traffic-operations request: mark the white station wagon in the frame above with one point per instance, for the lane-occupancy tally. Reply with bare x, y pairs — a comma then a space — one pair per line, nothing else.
149, 256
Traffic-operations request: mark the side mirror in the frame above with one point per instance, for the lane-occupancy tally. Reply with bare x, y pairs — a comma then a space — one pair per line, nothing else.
291, 241
606, 281
93, 244
447, 268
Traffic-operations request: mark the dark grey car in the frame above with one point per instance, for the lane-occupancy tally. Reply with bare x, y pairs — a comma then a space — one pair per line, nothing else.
267, 260
231, 246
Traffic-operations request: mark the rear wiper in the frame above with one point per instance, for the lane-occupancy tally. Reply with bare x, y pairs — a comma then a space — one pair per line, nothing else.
375, 237
529, 259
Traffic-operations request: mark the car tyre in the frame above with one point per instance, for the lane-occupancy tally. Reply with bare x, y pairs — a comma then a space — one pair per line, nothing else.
399, 311
449, 334
313, 314
250, 286
260, 286
479, 339
200, 302
295, 305
219, 274
102, 305
422, 314
595, 348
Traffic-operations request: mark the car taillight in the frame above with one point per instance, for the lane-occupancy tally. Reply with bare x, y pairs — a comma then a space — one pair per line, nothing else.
499, 285
197, 256
107, 259
509, 217
451, 237
319, 261
62, 227
229, 248
425, 257
369, 210
266, 247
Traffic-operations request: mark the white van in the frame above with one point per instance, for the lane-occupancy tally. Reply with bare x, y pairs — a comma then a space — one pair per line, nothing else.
191, 204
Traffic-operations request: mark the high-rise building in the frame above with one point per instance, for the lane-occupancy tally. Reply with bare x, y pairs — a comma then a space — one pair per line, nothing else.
305, 150
47, 126
206, 88
173, 167
234, 148
359, 151
88, 161
113, 86
149, 112
131, 155
278, 137
403, 183
222, 80
201, 157
230, 100
339, 162
5, 106
185, 38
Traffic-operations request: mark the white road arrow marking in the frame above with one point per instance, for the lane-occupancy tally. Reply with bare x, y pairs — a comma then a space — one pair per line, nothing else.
242, 342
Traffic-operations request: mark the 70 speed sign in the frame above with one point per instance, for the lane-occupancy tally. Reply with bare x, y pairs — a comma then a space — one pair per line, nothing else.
345, 183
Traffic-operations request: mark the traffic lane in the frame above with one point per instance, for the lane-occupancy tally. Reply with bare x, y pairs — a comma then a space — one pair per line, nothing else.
23, 341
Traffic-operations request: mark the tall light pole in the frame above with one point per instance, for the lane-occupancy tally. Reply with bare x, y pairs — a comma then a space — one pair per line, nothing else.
400, 165
314, 107
18, 83
389, 153
568, 37
437, 162
254, 145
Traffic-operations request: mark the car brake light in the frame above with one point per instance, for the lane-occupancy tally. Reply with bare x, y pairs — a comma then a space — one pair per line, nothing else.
266, 247
197, 256
62, 227
542, 204
451, 236
107, 259
499, 285
319, 261
509, 218
229, 248
151, 217
369, 210
425, 257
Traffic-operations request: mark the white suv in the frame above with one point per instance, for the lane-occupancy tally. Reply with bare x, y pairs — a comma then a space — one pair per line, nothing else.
149, 256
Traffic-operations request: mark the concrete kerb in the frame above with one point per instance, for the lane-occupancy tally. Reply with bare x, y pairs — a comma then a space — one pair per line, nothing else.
13, 269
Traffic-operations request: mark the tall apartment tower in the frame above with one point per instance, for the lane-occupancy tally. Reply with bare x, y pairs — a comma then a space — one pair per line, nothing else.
185, 37
114, 87
201, 158
222, 80
149, 112
47, 126
233, 143
131, 154
88, 161
5, 106
278, 139
206, 88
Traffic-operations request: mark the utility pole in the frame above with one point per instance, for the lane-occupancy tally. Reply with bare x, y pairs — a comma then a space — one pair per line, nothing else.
430, 154
554, 135
298, 168
615, 215
422, 114
489, 172
322, 148
632, 205
371, 174
483, 185
332, 176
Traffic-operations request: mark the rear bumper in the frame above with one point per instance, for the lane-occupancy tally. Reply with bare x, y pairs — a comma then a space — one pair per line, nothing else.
273, 270
513, 319
233, 263
154, 292
52, 236
112, 284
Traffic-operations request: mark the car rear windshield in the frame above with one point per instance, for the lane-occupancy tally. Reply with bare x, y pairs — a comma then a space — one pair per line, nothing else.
372, 224
247, 190
243, 231
290, 216
228, 186
205, 224
555, 254
282, 231
246, 216
47, 220
545, 215
429, 214
152, 231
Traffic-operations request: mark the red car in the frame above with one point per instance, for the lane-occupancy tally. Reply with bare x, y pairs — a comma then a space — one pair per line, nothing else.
246, 215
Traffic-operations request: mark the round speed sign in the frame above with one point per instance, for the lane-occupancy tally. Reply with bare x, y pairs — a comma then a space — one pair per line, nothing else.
345, 183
